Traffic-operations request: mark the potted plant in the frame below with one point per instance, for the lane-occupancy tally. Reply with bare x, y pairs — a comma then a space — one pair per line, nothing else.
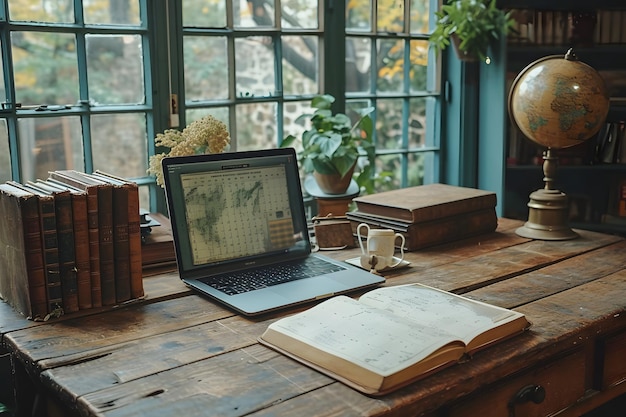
471, 26
333, 144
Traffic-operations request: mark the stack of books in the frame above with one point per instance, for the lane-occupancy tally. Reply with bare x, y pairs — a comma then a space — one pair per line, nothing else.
428, 215
72, 242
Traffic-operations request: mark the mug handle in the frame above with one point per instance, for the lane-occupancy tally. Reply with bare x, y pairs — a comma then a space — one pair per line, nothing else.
358, 233
401, 250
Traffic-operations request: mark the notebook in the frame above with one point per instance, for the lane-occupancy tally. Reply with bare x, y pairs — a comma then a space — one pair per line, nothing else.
238, 215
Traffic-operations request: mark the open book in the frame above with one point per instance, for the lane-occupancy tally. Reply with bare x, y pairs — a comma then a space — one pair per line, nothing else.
390, 336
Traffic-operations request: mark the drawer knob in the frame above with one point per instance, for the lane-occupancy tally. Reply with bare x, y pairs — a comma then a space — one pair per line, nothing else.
529, 393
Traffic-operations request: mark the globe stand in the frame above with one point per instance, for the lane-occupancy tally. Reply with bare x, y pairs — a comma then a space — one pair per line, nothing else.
548, 208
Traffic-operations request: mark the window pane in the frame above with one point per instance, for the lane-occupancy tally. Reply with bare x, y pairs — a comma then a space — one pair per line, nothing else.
390, 16
358, 64
256, 126
206, 73
390, 65
389, 122
57, 11
390, 163
255, 75
48, 144
220, 113
419, 65
418, 165
119, 144
253, 13
291, 111
5, 157
112, 12
300, 65
299, 14
420, 16
45, 68
417, 122
203, 13
358, 15
115, 69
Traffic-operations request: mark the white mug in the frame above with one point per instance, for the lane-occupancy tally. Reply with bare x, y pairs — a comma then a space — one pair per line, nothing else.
378, 254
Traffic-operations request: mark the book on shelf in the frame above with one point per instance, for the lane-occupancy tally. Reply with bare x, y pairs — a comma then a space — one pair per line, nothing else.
425, 202
48, 226
432, 232
134, 231
82, 244
391, 336
105, 228
22, 274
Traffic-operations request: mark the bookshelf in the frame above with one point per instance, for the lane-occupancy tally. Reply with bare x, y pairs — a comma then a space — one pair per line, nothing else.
593, 180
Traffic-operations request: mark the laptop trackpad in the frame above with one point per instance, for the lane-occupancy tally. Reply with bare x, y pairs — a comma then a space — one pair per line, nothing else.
310, 288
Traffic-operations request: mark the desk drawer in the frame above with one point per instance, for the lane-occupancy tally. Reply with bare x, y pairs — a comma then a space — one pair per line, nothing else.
614, 369
562, 379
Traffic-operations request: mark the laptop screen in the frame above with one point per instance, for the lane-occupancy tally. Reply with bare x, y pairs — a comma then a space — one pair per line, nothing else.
235, 210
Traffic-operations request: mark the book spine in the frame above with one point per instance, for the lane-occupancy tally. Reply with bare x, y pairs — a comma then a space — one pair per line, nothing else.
81, 250
421, 235
134, 237
94, 246
121, 244
22, 276
66, 249
34, 258
51, 253
107, 254
428, 213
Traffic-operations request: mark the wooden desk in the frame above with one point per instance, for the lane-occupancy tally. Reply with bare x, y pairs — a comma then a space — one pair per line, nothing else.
177, 353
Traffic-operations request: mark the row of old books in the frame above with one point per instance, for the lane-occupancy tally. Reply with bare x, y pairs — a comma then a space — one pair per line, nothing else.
428, 215
562, 27
70, 242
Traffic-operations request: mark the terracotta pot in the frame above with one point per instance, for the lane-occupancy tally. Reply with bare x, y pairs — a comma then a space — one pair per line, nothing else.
333, 183
462, 55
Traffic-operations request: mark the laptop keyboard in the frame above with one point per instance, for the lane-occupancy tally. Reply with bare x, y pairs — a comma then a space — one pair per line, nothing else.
244, 281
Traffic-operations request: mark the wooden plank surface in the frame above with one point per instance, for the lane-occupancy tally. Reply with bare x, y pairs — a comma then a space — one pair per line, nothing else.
279, 379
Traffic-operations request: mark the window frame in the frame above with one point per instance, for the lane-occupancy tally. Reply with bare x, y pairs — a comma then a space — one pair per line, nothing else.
163, 81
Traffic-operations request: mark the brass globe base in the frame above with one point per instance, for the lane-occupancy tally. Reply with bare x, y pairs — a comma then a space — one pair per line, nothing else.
548, 212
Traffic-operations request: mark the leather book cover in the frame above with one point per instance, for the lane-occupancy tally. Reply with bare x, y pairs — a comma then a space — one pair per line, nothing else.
22, 275
81, 241
65, 241
425, 202
66, 178
105, 231
134, 232
121, 243
434, 232
81, 245
48, 226
107, 251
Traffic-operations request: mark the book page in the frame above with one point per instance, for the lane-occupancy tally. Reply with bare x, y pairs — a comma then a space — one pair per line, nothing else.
376, 340
436, 309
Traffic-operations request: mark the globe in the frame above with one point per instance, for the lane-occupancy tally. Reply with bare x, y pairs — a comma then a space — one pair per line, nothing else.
559, 101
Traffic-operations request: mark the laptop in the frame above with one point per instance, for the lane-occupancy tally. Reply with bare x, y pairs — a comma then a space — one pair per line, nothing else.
241, 236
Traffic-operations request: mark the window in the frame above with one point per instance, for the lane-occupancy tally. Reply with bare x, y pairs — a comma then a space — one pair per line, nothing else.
87, 87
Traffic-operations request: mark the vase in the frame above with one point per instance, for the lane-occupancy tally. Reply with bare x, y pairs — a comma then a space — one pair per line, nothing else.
333, 183
462, 55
